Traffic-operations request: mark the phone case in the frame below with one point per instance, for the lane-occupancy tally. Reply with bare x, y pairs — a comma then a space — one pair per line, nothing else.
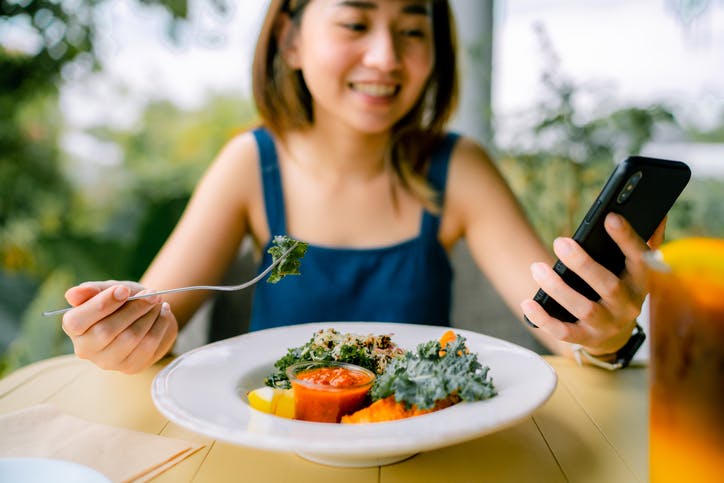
642, 190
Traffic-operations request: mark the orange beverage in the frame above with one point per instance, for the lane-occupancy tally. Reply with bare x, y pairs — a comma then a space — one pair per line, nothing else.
326, 391
686, 416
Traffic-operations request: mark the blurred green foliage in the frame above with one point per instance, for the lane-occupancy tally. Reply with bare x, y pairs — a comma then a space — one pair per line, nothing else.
56, 229
559, 177
114, 229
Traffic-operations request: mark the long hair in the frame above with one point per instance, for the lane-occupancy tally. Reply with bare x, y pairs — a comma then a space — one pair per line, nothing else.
284, 102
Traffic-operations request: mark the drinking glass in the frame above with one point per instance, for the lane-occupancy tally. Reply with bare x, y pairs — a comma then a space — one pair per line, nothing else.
686, 413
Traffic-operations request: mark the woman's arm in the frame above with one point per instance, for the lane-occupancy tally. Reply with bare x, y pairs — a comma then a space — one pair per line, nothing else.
129, 336
481, 207
206, 239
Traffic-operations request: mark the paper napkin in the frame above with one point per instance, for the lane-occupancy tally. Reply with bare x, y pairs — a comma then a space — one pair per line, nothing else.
121, 454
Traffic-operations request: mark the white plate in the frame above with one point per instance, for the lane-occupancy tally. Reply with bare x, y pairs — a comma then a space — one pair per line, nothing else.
43, 470
204, 390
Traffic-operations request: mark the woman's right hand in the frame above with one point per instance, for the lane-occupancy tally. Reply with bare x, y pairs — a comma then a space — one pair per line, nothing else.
117, 334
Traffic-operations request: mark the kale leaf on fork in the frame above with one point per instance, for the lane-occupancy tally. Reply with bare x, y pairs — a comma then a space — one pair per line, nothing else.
291, 263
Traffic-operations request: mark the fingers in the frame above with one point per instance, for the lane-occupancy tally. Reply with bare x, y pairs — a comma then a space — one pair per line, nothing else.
581, 307
86, 290
577, 260
77, 321
116, 350
115, 333
603, 325
81, 293
658, 237
625, 236
137, 345
564, 331
633, 248
612, 290
170, 336
102, 329
155, 344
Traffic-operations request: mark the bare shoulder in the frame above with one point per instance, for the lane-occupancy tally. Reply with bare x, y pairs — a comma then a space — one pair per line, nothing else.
231, 188
476, 194
235, 171
472, 172
240, 153
470, 149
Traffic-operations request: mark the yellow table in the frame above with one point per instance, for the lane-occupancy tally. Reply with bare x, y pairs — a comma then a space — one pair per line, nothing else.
593, 429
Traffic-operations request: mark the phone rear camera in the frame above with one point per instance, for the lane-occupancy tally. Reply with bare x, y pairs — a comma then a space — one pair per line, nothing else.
629, 187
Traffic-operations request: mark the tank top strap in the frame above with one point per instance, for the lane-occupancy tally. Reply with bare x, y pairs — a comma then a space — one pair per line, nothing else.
437, 177
271, 182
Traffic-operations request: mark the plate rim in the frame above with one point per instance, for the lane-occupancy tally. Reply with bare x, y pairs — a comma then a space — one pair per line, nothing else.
43, 464
373, 446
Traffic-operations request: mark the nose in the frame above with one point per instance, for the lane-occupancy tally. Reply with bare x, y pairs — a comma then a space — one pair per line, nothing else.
382, 51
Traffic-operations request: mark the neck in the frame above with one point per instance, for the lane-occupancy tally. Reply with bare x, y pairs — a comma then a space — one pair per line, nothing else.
337, 152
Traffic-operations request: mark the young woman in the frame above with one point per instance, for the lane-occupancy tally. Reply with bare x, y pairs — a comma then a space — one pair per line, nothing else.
354, 159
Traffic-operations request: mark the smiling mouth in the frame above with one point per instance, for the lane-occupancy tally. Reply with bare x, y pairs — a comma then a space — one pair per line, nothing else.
375, 90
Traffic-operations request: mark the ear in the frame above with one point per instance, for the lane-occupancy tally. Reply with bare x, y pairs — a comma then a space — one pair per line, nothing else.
287, 35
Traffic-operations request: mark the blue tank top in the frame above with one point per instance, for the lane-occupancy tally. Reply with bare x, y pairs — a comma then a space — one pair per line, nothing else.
407, 282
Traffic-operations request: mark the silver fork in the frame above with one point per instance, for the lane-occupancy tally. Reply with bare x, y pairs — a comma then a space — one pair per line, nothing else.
224, 288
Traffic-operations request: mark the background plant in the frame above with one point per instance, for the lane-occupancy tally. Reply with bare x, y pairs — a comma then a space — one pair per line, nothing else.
560, 163
56, 228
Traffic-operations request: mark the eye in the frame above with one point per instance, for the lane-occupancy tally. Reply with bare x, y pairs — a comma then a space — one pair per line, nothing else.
354, 26
416, 33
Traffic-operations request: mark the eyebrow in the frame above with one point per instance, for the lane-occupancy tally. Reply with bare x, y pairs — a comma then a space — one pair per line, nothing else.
418, 8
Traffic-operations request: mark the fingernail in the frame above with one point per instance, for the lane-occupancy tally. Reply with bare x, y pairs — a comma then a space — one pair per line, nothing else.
538, 270
151, 299
121, 293
526, 306
562, 246
614, 221
165, 309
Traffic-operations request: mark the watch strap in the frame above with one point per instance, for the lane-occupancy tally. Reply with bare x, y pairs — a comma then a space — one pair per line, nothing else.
623, 356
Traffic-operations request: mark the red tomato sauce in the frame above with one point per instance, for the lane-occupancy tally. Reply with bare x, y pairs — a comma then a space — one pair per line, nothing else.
325, 394
334, 376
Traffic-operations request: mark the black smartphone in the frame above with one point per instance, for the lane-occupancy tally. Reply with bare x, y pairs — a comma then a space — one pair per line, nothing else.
640, 189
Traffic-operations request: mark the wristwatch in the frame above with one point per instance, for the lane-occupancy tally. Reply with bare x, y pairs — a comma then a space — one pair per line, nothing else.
622, 357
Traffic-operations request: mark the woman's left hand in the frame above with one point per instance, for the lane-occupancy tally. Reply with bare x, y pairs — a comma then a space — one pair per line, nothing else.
603, 327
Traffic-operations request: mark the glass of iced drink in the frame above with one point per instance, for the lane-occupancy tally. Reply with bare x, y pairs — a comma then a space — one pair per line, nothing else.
686, 412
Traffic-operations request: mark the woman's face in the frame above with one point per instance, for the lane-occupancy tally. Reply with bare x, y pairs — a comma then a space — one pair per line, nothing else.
365, 62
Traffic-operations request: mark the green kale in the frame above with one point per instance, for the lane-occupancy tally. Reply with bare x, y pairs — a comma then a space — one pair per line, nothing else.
291, 263
424, 376
279, 377
352, 354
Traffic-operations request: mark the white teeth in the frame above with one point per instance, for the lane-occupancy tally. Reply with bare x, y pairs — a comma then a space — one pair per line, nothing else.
377, 90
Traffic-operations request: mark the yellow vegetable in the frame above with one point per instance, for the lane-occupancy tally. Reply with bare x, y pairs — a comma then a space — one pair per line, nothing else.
263, 399
285, 404
279, 402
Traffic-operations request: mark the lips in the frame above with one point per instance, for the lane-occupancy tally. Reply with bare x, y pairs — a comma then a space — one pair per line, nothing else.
375, 89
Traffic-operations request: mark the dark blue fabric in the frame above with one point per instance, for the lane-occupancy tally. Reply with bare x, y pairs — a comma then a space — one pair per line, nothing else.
407, 282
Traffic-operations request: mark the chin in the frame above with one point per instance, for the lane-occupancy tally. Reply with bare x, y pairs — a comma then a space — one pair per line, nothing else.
374, 126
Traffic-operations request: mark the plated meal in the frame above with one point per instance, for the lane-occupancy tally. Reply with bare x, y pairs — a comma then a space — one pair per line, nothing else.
350, 378
205, 390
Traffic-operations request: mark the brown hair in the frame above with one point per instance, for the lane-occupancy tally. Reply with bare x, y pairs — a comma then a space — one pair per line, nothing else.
284, 102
